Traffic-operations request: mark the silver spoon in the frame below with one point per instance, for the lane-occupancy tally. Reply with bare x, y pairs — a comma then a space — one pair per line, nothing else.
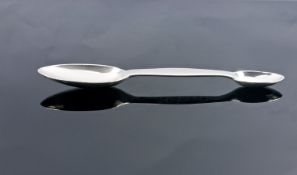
95, 75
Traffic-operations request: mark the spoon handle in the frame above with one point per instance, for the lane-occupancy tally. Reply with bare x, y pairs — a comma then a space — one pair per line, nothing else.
180, 72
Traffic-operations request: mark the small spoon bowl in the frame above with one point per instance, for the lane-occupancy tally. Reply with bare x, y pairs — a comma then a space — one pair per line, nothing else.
95, 75
253, 78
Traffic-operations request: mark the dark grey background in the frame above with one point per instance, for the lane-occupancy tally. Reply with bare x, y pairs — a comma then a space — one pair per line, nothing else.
217, 138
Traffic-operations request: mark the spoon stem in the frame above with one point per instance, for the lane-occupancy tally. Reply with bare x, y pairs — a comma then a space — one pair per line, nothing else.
180, 72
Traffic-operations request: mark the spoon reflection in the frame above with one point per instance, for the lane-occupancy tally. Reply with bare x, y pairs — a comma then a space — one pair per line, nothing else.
107, 98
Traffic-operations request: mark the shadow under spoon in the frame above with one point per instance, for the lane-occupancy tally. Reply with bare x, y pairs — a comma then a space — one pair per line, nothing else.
107, 98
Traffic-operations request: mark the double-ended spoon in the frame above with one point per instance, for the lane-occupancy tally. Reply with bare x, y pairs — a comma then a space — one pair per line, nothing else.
95, 75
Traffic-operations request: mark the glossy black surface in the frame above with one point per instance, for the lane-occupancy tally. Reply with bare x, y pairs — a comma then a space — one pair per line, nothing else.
227, 137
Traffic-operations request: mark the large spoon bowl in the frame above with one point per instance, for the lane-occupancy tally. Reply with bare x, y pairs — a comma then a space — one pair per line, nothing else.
84, 75
95, 75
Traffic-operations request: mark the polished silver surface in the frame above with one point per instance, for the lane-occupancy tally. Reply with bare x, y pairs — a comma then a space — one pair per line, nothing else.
95, 75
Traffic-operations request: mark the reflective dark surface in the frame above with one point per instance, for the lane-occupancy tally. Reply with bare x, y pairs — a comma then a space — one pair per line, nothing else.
223, 138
